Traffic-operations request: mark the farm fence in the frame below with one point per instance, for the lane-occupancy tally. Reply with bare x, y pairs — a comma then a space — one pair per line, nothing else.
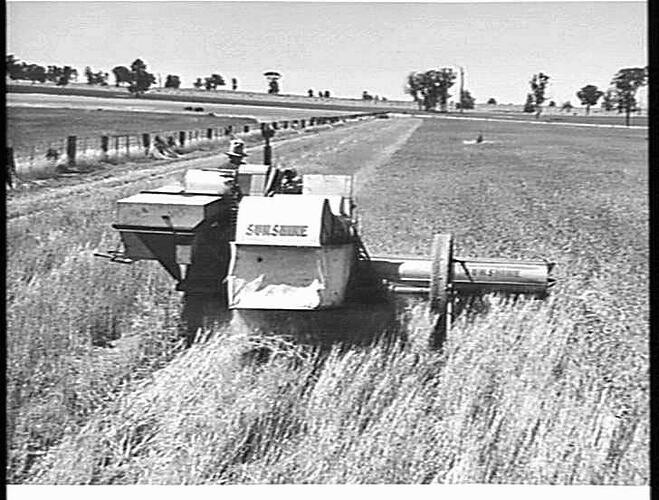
47, 158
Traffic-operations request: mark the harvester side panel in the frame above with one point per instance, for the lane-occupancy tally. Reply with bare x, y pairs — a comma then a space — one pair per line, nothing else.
162, 210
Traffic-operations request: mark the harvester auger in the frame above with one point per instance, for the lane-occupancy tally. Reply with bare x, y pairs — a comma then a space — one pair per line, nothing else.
257, 249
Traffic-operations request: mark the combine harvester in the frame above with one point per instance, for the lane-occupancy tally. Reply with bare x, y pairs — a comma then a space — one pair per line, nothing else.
294, 263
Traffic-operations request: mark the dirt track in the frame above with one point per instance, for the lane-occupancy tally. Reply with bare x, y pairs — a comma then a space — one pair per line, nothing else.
335, 150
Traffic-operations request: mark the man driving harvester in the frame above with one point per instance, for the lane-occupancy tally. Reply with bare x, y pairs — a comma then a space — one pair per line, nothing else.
236, 153
236, 156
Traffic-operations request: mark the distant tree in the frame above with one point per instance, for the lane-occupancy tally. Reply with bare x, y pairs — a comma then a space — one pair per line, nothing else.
273, 81
198, 83
567, 106
366, 96
217, 81
492, 101
141, 79
430, 88
626, 82
213, 81
172, 82
122, 75
56, 74
466, 101
529, 107
608, 100
539, 84
53, 73
234, 84
98, 78
89, 75
310, 93
327, 94
320, 94
10, 62
14, 68
35, 73
413, 88
65, 75
552, 104
22, 70
589, 95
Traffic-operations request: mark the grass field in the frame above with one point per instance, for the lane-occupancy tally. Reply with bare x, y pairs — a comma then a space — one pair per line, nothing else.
27, 126
552, 392
593, 119
215, 97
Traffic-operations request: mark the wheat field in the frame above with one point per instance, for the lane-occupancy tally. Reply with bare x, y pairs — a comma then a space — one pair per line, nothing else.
102, 391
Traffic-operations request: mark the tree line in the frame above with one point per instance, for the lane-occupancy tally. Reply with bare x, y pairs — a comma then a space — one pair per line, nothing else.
430, 90
135, 77
21, 70
621, 95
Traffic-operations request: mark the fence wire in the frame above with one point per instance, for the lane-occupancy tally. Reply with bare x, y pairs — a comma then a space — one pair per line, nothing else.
45, 159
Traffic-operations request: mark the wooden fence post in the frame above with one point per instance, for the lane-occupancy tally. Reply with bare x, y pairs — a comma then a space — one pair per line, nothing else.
105, 143
246, 129
146, 142
209, 133
71, 149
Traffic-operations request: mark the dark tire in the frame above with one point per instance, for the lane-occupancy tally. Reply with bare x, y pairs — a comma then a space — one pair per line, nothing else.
442, 256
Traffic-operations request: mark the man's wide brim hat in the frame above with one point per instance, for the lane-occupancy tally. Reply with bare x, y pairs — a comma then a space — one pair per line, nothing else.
236, 149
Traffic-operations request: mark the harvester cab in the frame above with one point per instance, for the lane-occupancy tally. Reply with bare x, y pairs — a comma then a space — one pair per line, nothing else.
240, 237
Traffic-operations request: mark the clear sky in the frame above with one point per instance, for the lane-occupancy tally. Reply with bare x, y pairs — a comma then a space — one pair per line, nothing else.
343, 47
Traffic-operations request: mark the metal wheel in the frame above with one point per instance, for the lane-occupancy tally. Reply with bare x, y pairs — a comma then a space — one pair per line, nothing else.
442, 256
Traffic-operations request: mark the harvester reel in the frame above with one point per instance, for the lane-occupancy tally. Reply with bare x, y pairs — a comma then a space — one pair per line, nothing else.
440, 278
